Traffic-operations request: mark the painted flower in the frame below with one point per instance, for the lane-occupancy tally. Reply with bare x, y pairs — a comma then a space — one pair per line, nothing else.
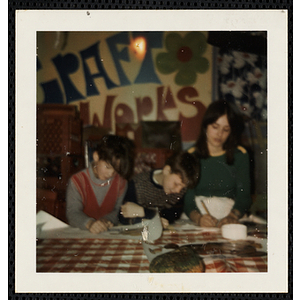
264, 114
224, 62
245, 108
184, 54
255, 77
259, 99
236, 88
241, 58
261, 78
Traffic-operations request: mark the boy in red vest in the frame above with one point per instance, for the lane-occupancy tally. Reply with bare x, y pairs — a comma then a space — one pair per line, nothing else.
94, 195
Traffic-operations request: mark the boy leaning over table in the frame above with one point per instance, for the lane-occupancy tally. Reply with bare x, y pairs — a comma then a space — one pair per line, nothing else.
94, 195
161, 188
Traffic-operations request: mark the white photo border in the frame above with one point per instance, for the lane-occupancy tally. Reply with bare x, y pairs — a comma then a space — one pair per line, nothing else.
28, 23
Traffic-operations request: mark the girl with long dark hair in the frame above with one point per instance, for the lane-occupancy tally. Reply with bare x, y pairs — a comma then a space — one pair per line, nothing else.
224, 165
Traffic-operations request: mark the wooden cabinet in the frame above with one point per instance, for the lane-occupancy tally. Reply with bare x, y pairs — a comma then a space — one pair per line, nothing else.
59, 130
59, 154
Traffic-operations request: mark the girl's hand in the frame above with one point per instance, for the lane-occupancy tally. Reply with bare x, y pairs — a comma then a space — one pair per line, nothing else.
132, 210
232, 218
227, 220
203, 220
96, 226
207, 221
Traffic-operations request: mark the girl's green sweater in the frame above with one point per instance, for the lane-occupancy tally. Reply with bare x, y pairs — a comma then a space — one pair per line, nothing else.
219, 179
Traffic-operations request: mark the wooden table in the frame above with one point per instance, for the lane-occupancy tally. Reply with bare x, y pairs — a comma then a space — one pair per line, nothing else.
127, 255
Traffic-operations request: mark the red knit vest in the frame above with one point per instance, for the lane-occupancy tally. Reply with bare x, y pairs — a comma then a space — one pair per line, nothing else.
89, 200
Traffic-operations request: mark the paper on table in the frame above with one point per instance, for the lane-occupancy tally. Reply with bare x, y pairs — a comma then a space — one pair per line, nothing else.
122, 228
45, 221
218, 207
49, 227
188, 225
254, 219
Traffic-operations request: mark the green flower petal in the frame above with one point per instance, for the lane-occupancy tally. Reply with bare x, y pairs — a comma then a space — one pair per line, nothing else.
173, 42
184, 54
190, 65
201, 65
196, 41
166, 63
185, 77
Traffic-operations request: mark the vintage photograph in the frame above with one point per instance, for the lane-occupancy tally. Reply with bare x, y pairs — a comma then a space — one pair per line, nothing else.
187, 101
153, 153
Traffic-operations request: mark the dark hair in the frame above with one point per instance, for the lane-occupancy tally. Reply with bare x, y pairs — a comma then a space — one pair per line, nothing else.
186, 165
119, 152
214, 111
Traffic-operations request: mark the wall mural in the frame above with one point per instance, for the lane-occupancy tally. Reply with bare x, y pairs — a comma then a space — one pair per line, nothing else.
126, 77
243, 79
185, 55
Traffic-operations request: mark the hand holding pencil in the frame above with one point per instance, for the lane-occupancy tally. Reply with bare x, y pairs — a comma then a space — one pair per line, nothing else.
207, 220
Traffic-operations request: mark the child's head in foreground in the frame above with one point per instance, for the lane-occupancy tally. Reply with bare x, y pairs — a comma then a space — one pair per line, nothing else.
181, 170
114, 154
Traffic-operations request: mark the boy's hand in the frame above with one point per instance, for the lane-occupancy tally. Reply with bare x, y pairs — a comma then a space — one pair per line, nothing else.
132, 210
164, 222
96, 226
108, 224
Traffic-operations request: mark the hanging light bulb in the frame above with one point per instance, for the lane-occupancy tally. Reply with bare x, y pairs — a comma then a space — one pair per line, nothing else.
138, 46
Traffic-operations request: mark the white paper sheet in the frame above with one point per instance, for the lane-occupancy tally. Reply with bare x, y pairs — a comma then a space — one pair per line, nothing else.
46, 221
49, 227
218, 207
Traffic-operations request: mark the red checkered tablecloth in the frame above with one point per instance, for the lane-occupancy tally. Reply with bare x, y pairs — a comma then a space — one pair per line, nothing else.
245, 264
91, 256
127, 255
